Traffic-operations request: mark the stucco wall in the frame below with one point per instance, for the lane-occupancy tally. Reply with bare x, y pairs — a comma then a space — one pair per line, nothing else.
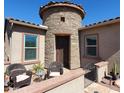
17, 44
74, 86
16, 48
101, 73
6, 47
102, 70
108, 42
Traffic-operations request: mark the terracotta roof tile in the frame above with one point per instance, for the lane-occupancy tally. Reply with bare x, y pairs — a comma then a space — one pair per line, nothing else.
28, 23
23, 21
64, 2
102, 21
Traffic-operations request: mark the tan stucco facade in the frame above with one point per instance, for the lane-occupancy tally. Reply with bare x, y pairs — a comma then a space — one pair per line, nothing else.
15, 49
108, 43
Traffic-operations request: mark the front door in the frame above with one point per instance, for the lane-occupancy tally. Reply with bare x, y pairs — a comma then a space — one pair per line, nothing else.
62, 50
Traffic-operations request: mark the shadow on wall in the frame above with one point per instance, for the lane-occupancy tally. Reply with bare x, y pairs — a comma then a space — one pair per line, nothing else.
7, 37
115, 58
86, 62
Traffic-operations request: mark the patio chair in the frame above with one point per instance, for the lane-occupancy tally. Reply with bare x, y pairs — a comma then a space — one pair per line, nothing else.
55, 69
18, 75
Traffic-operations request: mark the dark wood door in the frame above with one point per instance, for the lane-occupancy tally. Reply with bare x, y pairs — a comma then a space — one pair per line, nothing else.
62, 50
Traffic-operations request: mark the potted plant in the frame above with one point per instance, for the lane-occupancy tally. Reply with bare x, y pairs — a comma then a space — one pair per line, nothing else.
38, 69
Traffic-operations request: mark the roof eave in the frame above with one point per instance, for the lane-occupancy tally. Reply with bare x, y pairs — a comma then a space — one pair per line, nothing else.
100, 24
42, 9
29, 25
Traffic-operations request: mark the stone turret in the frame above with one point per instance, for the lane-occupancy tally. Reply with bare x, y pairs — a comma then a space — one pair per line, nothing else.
62, 40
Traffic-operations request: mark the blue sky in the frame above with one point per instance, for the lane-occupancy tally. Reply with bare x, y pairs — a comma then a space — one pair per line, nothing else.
28, 10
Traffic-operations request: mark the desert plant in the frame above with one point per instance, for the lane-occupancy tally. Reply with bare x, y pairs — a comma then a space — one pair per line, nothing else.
38, 67
118, 68
115, 71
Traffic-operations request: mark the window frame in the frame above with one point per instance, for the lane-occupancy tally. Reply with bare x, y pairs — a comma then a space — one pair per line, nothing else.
97, 45
62, 19
37, 48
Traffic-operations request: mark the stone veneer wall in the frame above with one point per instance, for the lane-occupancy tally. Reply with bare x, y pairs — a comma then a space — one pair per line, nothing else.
52, 19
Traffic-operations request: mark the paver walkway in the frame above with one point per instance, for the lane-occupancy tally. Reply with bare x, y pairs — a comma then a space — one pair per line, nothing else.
99, 89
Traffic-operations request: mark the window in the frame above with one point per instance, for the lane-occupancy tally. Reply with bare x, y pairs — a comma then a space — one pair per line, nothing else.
63, 19
30, 47
91, 45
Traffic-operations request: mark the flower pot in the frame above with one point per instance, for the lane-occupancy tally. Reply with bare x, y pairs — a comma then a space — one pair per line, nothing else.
113, 75
117, 76
40, 72
6, 88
